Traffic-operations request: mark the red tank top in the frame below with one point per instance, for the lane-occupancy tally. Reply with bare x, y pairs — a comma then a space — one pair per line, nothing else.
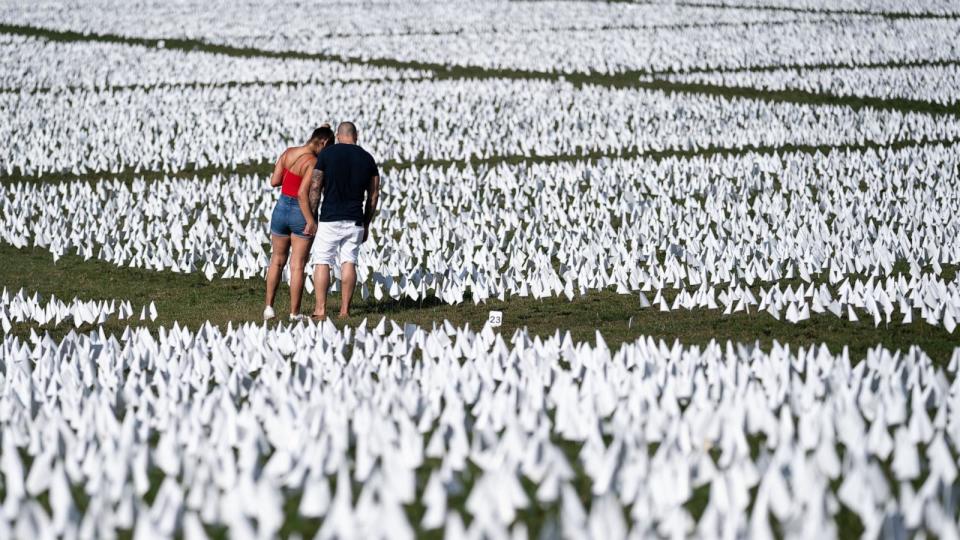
291, 182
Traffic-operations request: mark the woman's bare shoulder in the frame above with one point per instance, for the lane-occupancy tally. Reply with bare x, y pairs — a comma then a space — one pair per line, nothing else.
286, 154
308, 165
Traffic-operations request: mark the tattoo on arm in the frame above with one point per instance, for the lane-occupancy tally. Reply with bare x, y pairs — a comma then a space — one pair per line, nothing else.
316, 186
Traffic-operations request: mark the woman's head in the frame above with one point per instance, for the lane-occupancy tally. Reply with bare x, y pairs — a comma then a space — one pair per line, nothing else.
322, 137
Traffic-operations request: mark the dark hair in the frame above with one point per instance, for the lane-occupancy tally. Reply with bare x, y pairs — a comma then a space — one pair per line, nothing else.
323, 134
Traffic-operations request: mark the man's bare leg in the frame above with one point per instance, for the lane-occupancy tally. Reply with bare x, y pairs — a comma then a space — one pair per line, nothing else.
348, 280
321, 282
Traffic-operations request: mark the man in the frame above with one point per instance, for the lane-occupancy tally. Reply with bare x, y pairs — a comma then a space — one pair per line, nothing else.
349, 181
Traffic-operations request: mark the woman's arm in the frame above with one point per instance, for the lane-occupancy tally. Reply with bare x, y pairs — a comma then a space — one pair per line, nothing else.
277, 177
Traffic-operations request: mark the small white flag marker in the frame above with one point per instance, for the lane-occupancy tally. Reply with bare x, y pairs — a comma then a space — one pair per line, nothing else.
495, 319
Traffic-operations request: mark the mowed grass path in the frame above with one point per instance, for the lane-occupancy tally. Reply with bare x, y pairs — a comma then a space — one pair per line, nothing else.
190, 299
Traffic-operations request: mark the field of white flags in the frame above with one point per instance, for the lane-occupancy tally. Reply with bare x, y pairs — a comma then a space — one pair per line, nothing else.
384, 432
178, 128
717, 242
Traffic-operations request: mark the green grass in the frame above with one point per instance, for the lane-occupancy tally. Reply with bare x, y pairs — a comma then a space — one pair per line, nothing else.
190, 299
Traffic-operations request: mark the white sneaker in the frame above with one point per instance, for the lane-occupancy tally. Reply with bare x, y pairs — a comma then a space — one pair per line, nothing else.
268, 313
296, 317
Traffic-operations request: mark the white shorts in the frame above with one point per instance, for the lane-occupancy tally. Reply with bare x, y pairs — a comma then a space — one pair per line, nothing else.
336, 238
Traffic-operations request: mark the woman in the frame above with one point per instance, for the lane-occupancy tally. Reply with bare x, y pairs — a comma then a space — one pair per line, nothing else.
287, 222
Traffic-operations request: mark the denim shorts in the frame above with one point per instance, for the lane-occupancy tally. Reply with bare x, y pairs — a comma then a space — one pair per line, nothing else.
287, 218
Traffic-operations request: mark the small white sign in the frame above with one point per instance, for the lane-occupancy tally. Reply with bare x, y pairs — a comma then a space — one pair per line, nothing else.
496, 319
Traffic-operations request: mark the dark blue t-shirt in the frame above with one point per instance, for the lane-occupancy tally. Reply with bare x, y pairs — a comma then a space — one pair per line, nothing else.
347, 170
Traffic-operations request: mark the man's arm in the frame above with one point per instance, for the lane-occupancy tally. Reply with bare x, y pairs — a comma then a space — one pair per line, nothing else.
309, 199
373, 198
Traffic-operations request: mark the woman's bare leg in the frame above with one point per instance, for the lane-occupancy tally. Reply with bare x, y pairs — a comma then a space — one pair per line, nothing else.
278, 259
299, 252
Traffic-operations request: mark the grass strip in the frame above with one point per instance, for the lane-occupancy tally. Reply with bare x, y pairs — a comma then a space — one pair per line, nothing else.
190, 299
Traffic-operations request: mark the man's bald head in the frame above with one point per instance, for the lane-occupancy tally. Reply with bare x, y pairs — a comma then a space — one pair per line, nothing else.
347, 133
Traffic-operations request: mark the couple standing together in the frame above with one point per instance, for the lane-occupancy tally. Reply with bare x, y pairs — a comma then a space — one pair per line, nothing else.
331, 168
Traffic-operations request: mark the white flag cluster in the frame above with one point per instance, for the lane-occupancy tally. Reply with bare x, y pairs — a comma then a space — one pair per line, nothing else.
879, 7
171, 128
21, 307
674, 49
60, 65
163, 434
936, 302
935, 84
584, 37
226, 22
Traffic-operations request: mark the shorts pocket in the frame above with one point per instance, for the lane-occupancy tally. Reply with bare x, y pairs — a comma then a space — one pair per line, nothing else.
296, 221
277, 223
